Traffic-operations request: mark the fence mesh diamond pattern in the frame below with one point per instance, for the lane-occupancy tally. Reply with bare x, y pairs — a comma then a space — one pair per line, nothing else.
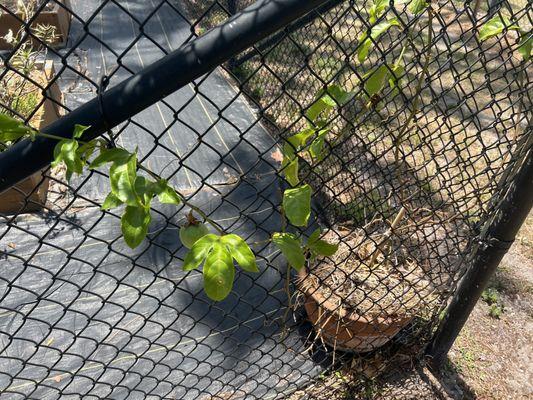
422, 128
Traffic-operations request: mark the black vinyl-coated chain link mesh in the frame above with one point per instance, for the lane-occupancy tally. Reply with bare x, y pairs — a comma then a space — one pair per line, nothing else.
84, 316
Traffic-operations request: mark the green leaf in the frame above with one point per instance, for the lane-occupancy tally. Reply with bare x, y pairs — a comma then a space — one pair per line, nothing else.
289, 166
300, 139
377, 10
297, 205
78, 131
325, 103
122, 178
526, 45
86, 150
375, 80
219, 273
111, 201
168, 195
375, 33
65, 151
12, 129
495, 26
291, 172
241, 252
326, 100
190, 233
394, 79
324, 248
319, 246
199, 251
134, 224
115, 155
364, 47
339, 96
144, 189
316, 149
314, 236
417, 6
291, 248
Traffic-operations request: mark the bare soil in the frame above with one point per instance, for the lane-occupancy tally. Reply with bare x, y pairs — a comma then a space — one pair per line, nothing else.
493, 357
371, 271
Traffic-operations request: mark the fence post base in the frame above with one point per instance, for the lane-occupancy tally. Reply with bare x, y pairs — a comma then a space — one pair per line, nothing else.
500, 236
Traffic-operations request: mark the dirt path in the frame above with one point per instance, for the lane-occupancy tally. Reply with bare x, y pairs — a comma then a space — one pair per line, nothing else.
493, 356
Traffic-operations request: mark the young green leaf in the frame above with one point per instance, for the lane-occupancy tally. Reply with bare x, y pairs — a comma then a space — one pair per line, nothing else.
168, 195
143, 189
339, 95
316, 148
417, 6
324, 103
240, 251
494, 26
199, 251
375, 33
326, 100
78, 131
134, 224
291, 173
115, 155
218, 272
377, 10
323, 248
65, 151
314, 236
122, 178
300, 139
111, 201
12, 129
526, 44
289, 166
86, 150
297, 205
397, 72
375, 80
291, 248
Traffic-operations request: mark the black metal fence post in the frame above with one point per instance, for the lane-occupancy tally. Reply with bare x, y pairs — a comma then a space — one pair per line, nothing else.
500, 235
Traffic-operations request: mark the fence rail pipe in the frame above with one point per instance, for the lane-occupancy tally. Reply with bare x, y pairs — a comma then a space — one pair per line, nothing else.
501, 233
158, 80
274, 39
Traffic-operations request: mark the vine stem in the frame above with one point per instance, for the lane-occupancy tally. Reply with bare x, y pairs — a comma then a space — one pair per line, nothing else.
387, 236
416, 101
397, 141
58, 138
184, 200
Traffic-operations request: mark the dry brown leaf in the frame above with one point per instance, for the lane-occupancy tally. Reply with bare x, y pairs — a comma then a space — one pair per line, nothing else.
277, 155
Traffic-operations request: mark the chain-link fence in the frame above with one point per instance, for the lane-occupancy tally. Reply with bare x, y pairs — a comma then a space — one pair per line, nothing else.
411, 127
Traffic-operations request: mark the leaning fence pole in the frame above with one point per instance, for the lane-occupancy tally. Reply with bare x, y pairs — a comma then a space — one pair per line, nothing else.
511, 213
156, 81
